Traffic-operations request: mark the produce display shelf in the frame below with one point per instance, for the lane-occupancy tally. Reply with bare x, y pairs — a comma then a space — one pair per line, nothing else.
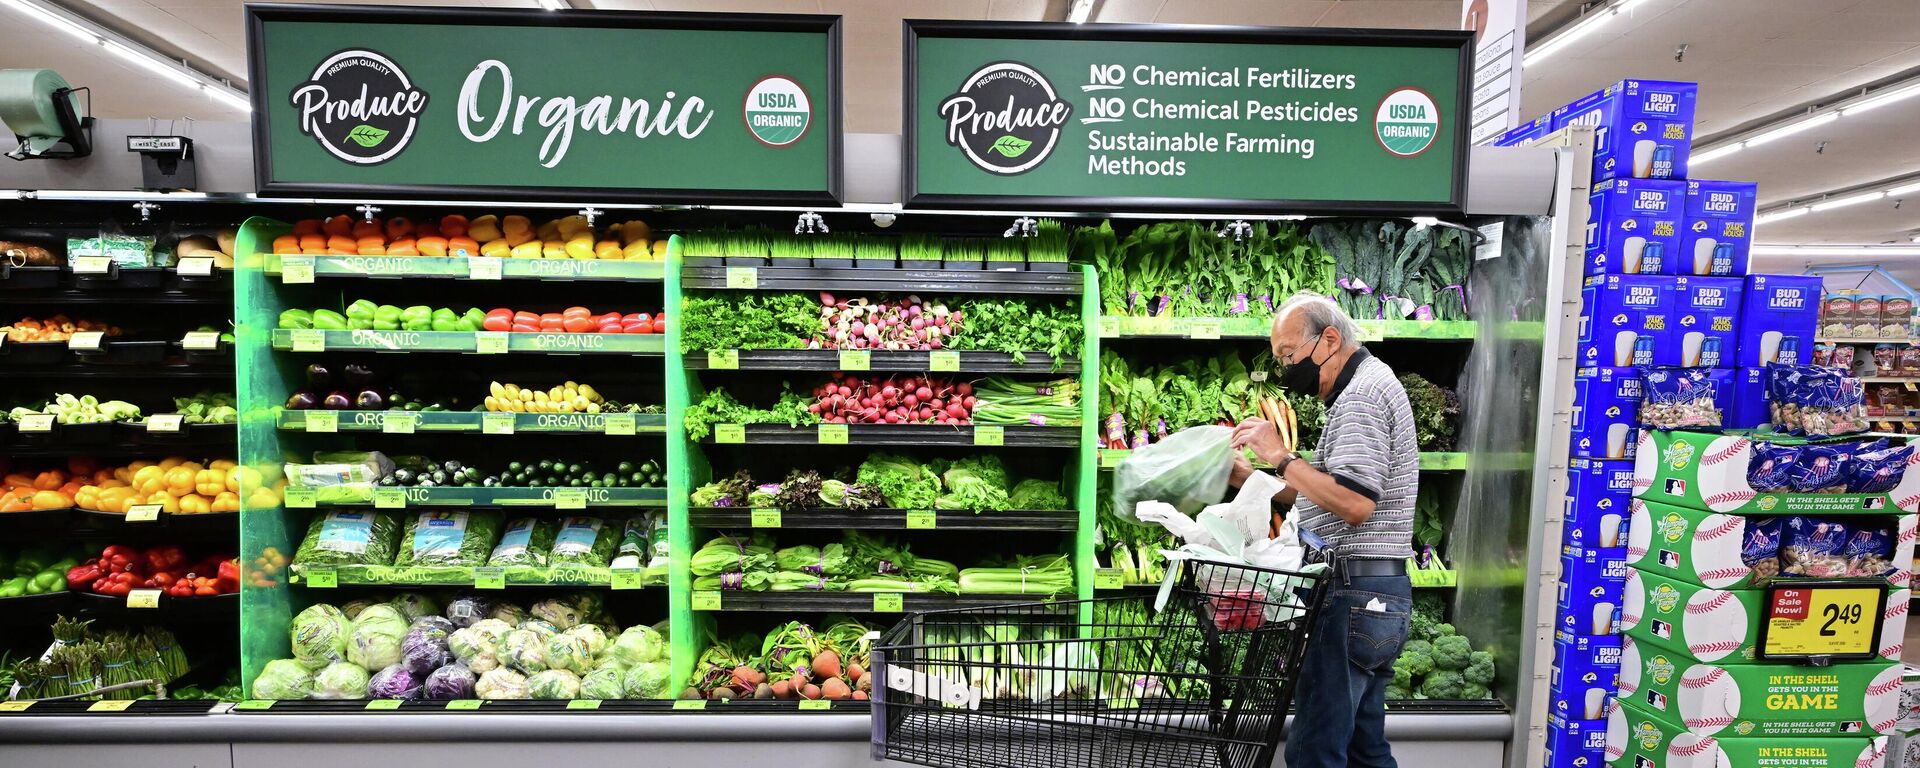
59, 356
1430, 461
168, 607
885, 519
855, 602
35, 609
880, 280
550, 707
876, 360
112, 708
1866, 340
460, 268
171, 523
1260, 326
474, 343
77, 296
561, 499
80, 371
122, 437
905, 434
476, 422
326, 576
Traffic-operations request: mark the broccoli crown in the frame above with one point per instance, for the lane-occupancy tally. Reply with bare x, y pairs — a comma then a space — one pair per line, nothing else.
1475, 692
1443, 684
1479, 669
1417, 646
1421, 626
1415, 662
1452, 652
1443, 629
1399, 693
1402, 676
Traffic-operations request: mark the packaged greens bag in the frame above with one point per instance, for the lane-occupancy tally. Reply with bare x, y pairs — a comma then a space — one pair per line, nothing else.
1188, 469
349, 537
584, 541
527, 541
634, 543
448, 538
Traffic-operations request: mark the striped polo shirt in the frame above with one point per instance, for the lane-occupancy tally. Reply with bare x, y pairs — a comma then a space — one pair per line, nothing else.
1368, 446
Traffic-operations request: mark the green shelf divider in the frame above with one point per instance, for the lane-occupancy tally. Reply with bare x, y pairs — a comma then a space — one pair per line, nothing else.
457, 268
468, 343
476, 422
1430, 461
1260, 326
685, 468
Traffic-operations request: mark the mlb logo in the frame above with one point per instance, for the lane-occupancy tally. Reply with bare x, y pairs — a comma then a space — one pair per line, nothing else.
1642, 761
1662, 630
1669, 558
1676, 487
1657, 700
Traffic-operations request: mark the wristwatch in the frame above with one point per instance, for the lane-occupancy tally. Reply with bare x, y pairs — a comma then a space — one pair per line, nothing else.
1280, 469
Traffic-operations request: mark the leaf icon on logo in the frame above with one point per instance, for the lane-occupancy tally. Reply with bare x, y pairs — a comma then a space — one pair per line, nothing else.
366, 136
1011, 146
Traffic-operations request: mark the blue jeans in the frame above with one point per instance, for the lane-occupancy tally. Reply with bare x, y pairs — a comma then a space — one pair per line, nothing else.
1340, 697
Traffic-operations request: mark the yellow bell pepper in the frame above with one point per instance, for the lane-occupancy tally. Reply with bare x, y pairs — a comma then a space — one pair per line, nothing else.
179, 480
637, 250
496, 249
484, 228
262, 498
226, 464
580, 247
226, 501
529, 249
210, 482
116, 499
607, 249
148, 480
168, 503
243, 479
88, 497
195, 504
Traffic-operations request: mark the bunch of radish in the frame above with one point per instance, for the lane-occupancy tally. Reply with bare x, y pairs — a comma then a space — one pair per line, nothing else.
900, 324
898, 399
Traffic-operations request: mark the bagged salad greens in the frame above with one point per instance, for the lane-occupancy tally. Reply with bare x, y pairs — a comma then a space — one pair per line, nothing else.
526, 541
1188, 470
447, 538
349, 537
584, 541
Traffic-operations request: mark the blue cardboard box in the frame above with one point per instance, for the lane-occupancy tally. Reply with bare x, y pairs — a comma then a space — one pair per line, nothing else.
1590, 587
1778, 315
1705, 333
1717, 233
1749, 409
1625, 320
1643, 129
1576, 743
1581, 664
1525, 132
1606, 410
1633, 226
1595, 515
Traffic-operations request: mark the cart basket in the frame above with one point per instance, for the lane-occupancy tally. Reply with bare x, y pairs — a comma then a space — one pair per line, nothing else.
1106, 683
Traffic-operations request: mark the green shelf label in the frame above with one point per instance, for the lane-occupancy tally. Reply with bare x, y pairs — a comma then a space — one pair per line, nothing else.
766, 518
570, 498
743, 278
1203, 328
1109, 328
464, 704
888, 602
620, 424
301, 497
384, 704
943, 360
729, 433
856, 360
723, 359
989, 435
1371, 330
489, 577
296, 270
496, 423
322, 577
629, 578
584, 704
1109, 578
690, 704
323, 421
309, 340
254, 705
490, 343
389, 498
833, 434
399, 422
706, 601
1112, 457
815, 705
921, 519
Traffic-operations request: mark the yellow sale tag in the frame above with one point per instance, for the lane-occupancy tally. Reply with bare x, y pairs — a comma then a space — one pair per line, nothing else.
833, 434
464, 704
309, 340
856, 360
1823, 621
496, 423
887, 602
691, 704
36, 422
85, 340
569, 498
989, 436
164, 422
729, 433
379, 704
815, 705
628, 578
483, 268
143, 598
490, 343
322, 577
620, 424
743, 278
15, 706
91, 265
943, 360
723, 359
399, 422
766, 518
323, 421
200, 340
110, 705
301, 497
706, 601
144, 513
920, 519
584, 704
489, 578
198, 266
389, 498
296, 269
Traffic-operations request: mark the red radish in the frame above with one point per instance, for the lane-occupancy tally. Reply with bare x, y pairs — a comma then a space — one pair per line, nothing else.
826, 298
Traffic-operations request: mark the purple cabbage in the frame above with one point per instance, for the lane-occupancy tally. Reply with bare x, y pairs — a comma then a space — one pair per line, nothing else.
393, 682
453, 681
424, 650
464, 611
435, 623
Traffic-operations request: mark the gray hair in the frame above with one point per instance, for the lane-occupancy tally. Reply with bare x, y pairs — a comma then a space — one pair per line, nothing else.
1321, 313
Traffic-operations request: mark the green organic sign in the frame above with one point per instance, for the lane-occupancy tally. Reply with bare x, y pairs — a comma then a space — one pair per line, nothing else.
586, 105
1166, 118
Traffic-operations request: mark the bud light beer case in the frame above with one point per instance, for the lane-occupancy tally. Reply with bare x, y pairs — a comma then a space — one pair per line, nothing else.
1633, 226
1643, 129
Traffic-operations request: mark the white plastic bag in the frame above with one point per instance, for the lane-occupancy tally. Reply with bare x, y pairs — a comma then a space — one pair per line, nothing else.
1188, 470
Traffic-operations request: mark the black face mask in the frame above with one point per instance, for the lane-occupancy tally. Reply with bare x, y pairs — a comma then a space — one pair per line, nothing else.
1303, 378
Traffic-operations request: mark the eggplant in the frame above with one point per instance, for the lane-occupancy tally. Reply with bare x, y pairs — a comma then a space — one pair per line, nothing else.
370, 400
357, 374
303, 400
319, 376
337, 401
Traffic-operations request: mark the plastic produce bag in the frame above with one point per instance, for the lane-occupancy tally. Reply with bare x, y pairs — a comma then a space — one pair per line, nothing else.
349, 537
1187, 470
448, 538
527, 541
584, 541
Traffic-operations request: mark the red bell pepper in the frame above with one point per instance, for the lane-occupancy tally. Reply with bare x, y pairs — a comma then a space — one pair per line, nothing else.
552, 322
117, 558
165, 558
660, 323
498, 320
84, 574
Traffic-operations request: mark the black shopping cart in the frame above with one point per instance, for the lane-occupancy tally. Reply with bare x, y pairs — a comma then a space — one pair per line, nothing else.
1106, 683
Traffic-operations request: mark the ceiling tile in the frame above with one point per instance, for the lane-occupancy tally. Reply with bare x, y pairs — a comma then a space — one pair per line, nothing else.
1392, 14
1273, 13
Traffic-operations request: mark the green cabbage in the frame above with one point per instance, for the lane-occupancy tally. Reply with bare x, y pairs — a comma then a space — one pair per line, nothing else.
319, 635
559, 612
282, 680
508, 612
646, 681
602, 683
554, 684
352, 608
341, 680
448, 538
638, 645
467, 643
375, 639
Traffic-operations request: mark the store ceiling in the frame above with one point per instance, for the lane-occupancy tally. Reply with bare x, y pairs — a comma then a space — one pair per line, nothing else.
1753, 58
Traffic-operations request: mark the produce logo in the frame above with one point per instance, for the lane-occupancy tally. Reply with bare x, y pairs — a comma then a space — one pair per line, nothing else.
1745, 728
1649, 735
1660, 670
1407, 122
1665, 597
360, 106
777, 110
1679, 455
1006, 118
1673, 526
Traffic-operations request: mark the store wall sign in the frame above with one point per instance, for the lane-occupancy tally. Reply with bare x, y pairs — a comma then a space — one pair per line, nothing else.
1145, 117
590, 105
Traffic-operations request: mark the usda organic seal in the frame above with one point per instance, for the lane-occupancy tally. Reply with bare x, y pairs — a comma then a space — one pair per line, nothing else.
1407, 122
777, 111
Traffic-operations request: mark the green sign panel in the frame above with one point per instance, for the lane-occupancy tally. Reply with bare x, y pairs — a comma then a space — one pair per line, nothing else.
1140, 117
587, 105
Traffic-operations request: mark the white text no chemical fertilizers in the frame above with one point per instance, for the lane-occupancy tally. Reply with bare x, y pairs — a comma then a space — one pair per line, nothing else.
559, 114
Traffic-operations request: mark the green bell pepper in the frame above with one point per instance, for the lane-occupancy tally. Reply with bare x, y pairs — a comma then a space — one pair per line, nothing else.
296, 319
329, 320
62, 565
418, 317
47, 581
386, 317
360, 323
32, 561
362, 310
475, 317
13, 587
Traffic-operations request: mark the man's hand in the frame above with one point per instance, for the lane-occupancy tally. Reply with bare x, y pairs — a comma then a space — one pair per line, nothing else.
1263, 438
1242, 469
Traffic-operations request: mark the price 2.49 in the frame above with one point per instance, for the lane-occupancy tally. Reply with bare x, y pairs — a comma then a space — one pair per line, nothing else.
1839, 614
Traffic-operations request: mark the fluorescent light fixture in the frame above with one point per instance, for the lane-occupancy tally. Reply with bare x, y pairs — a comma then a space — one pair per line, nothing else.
130, 51
1715, 153
1781, 215
1580, 28
555, 5
51, 20
1904, 189
1881, 99
1842, 202
1080, 11
1790, 129
1835, 250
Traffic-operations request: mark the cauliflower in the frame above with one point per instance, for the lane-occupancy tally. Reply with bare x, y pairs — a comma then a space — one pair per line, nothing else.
1479, 669
1452, 652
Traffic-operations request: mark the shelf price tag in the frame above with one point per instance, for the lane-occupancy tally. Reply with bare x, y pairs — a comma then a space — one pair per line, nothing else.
920, 519
1837, 620
296, 270
706, 601
856, 360
690, 704
766, 518
723, 359
110, 705
198, 266
1110, 457
833, 434
1109, 578
143, 513
496, 423
323, 421
1203, 328
200, 340
321, 576
389, 498
164, 422
583, 704
620, 424
254, 705
490, 343
309, 340
569, 498
943, 360
743, 278
301, 497
15, 706
989, 435
815, 705
143, 598
36, 422
629, 578
888, 602
91, 265
1371, 330
489, 577
399, 422
729, 433
464, 704
1109, 327
87, 341
483, 268
383, 704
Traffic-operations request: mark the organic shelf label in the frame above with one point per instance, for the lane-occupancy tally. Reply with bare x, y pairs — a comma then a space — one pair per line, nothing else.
921, 519
295, 270
383, 704
496, 423
583, 704
723, 359
489, 577
815, 705
690, 704
301, 497
490, 343
143, 513
856, 360
706, 601
743, 278
309, 340
164, 422
989, 436
483, 268
1371, 330
399, 422
322, 577
90, 265
943, 360
833, 434
323, 421
888, 602
766, 518
88, 341
143, 598
36, 422
629, 578
465, 704
569, 498
729, 433
200, 340
197, 266
1109, 578
110, 705
620, 424
1109, 327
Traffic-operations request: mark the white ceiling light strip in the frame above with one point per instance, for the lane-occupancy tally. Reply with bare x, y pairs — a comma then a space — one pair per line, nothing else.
1788, 126
1579, 29
1080, 11
131, 52
1887, 190
1836, 250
